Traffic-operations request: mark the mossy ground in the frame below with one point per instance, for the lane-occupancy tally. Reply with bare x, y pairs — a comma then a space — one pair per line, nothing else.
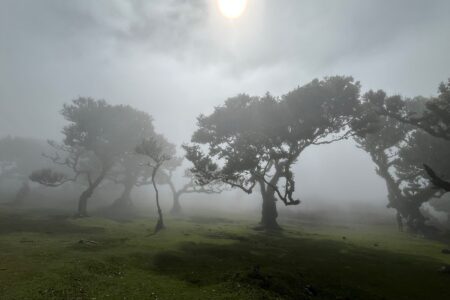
212, 258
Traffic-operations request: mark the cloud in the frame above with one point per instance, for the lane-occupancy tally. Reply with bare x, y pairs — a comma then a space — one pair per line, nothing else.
176, 59
154, 52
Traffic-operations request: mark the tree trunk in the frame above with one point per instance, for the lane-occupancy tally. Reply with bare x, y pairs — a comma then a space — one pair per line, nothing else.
160, 223
84, 197
82, 203
176, 207
416, 221
269, 208
399, 222
21, 194
124, 201
395, 198
269, 213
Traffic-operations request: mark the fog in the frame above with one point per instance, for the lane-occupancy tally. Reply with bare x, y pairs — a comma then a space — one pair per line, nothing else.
290, 149
177, 59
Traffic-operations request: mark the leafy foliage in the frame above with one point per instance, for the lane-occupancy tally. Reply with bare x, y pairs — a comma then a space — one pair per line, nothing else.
399, 151
158, 149
98, 136
253, 140
48, 177
434, 118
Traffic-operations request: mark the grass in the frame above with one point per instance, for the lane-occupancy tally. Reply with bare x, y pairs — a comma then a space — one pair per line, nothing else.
212, 258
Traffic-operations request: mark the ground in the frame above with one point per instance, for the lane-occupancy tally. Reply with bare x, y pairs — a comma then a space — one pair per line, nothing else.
212, 258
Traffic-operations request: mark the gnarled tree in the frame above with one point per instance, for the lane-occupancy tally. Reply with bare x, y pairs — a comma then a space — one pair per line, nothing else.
393, 153
434, 119
97, 136
420, 148
130, 173
399, 149
129, 170
257, 140
381, 146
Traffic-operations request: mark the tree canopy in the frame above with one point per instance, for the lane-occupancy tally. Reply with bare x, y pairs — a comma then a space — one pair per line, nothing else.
98, 136
251, 140
434, 118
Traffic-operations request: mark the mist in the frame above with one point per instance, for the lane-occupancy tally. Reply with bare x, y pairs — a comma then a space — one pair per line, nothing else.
230, 124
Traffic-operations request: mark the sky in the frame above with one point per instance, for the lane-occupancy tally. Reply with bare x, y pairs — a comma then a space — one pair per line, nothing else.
176, 59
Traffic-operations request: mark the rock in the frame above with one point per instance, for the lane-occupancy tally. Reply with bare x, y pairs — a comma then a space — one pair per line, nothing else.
445, 251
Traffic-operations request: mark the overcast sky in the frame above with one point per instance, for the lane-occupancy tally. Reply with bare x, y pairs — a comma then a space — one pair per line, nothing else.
176, 59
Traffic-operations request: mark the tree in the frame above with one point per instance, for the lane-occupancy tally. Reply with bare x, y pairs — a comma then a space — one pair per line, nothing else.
434, 119
190, 187
399, 149
397, 152
128, 172
257, 140
380, 145
165, 176
97, 136
158, 150
421, 148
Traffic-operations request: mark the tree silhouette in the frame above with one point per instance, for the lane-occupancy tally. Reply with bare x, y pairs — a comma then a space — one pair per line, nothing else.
127, 172
190, 187
396, 155
257, 140
97, 137
421, 148
434, 119
380, 145
159, 151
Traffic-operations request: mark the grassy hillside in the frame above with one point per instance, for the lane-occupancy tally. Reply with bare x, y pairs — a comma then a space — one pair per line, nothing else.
212, 258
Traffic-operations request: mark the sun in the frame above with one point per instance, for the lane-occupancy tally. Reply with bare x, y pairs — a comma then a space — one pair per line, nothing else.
232, 9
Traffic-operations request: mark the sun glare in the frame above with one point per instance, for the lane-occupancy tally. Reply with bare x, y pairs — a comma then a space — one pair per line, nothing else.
232, 9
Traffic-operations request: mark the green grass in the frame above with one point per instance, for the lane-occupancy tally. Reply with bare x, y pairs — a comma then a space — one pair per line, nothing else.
212, 258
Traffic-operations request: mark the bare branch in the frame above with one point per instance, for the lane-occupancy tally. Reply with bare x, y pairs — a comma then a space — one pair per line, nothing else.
436, 180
